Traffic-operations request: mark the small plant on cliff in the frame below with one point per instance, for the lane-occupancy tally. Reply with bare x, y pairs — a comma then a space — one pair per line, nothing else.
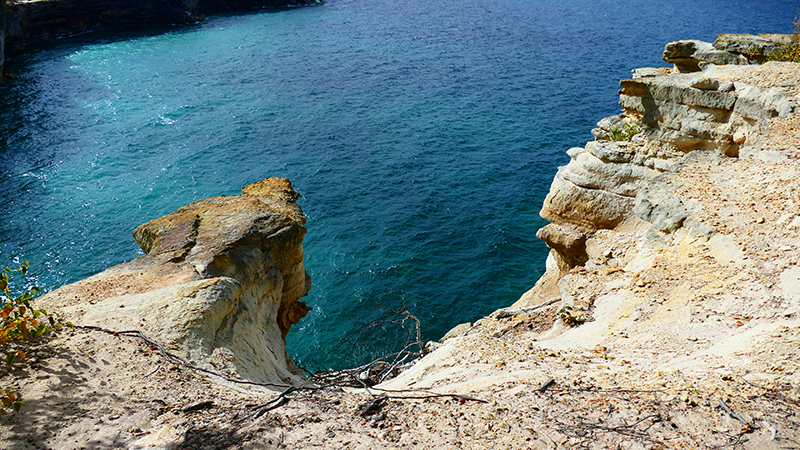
790, 51
18, 322
565, 314
624, 132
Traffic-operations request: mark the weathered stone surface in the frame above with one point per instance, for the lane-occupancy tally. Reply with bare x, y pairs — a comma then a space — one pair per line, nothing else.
711, 84
568, 243
220, 283
585, 208
673, 114
597, 189
761, 104
604, 127
692, 55
611, 172
778, 38
644, 72
754, 47
674, 89
702, 112
666, 212
615, 152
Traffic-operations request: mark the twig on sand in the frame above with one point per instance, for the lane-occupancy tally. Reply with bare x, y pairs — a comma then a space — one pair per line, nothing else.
731, 413
173, 358
385, 367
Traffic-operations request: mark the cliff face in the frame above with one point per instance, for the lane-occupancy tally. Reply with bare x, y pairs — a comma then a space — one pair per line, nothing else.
667, 114
669, 316
220, 283
679, 209
49, 19
673, 271
35, 20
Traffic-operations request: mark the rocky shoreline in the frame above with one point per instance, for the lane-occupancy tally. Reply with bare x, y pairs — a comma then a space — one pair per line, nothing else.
27, 21
673, 272
669, 315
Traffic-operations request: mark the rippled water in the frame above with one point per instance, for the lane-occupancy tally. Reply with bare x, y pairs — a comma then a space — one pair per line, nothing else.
423, 136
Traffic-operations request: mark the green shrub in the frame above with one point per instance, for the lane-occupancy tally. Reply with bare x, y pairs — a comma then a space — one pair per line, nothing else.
18, 322
624, 132
791, 51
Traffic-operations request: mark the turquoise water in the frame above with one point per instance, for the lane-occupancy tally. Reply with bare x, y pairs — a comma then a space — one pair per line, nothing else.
423, 136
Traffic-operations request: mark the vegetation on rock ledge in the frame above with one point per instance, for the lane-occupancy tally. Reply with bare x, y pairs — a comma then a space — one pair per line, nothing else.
624, 132
18, 322
791, 51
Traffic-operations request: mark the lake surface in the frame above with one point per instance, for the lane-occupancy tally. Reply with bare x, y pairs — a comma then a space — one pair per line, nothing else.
423, 136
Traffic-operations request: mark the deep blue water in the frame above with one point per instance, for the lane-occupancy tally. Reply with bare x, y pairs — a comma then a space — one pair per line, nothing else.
423, 136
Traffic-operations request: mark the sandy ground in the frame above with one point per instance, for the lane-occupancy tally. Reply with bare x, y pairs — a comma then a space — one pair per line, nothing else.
90, 390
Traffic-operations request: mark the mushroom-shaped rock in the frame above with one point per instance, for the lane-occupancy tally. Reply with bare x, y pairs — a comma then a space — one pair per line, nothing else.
220, 283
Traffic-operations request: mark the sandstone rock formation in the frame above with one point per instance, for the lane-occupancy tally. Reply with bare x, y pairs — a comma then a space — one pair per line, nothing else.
695, 55
684, 330
673, 272
667, 114
688, 55
219, 284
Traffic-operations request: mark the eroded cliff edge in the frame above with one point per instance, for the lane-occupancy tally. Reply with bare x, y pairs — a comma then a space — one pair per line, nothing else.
28, 21
219, 285
673, 271
683, 332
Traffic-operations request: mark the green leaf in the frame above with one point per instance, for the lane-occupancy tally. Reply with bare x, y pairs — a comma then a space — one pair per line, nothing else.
10, 357
17, 405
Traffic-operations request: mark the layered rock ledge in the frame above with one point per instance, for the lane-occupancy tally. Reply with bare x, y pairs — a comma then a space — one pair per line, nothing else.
219, 285
669, 316
667, 115
672, 291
